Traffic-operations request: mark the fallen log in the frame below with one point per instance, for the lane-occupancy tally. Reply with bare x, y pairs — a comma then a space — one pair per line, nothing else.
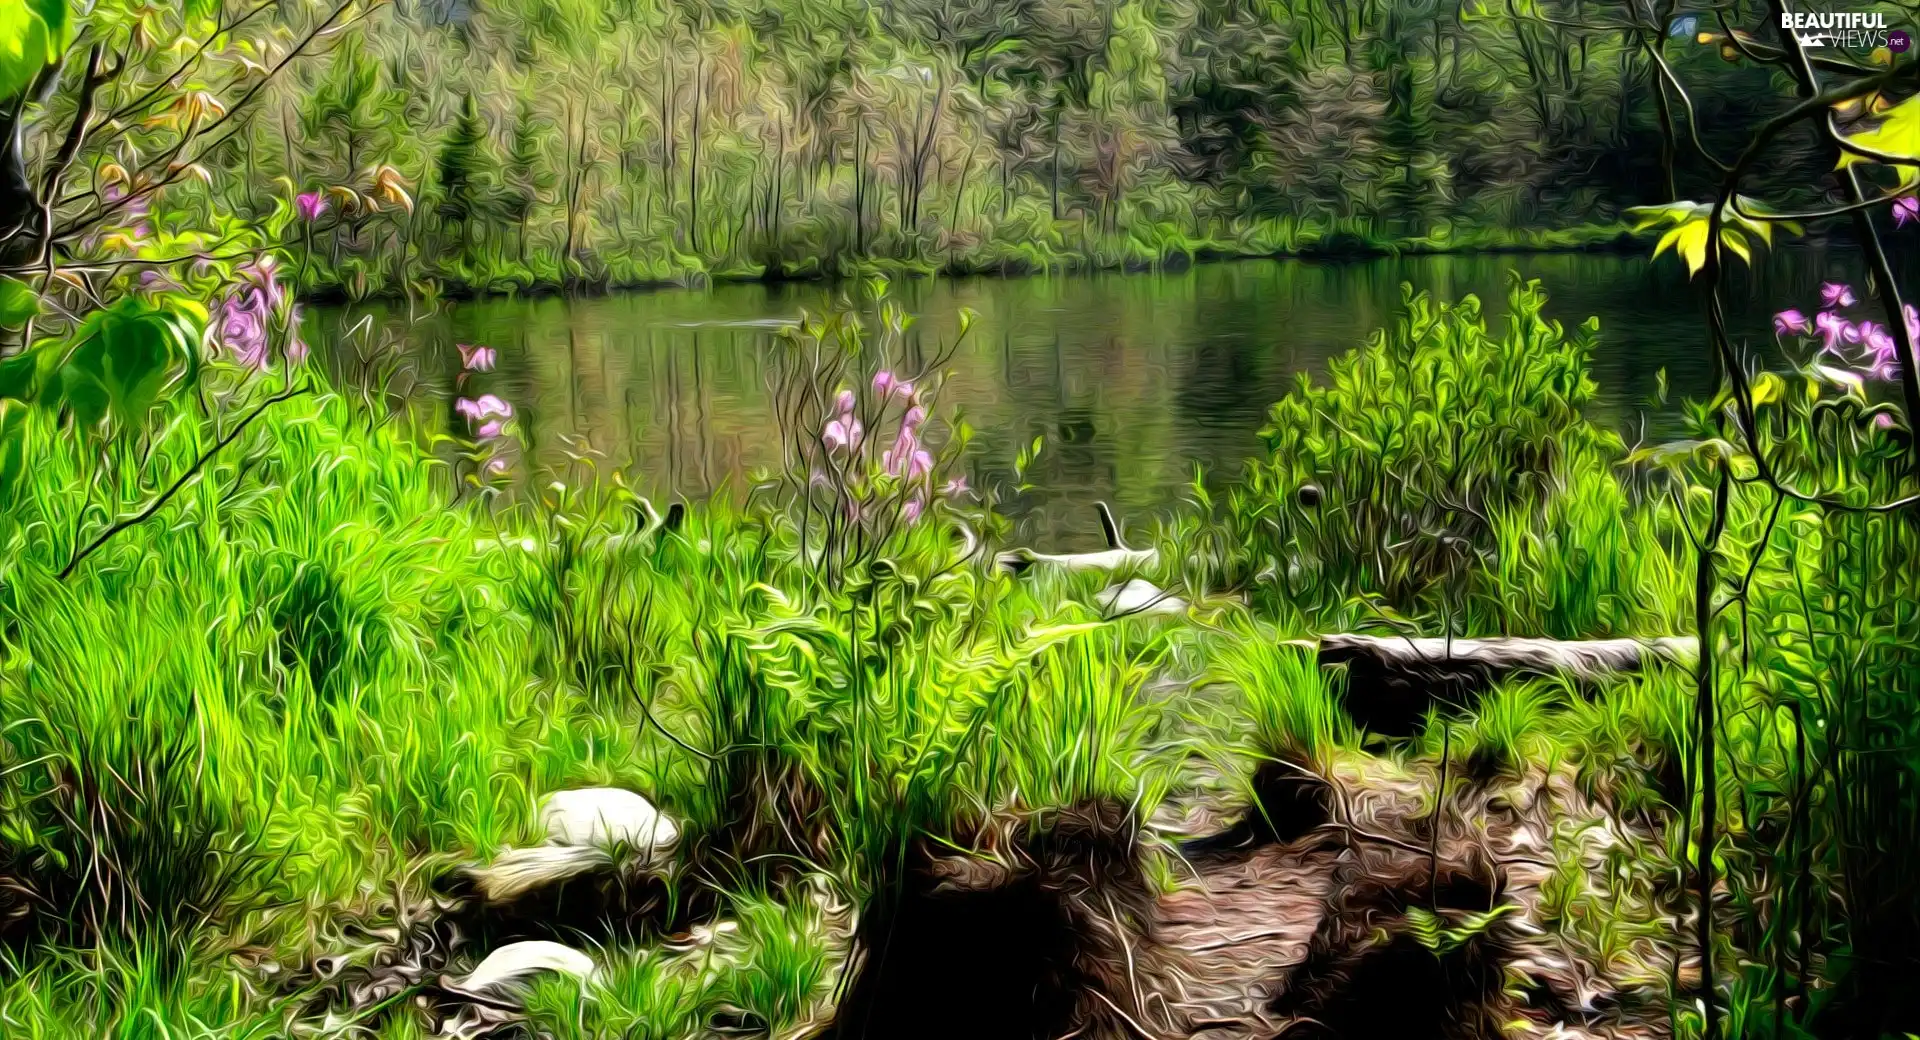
1393, 680
1116, 556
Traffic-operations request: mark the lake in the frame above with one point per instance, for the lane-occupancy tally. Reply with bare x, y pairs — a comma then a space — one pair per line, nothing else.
1134, 380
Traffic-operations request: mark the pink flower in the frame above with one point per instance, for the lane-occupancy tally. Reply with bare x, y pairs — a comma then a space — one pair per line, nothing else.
907, 458
1883, 421
1791, 321
844, 403
244, 320
914, 417
1834, 294
487, 406
476, 359
954, 488
886, 384
310, 205
910, 512
1833, 328
1906, 208
1877, 339
243, 330
843, 432
489, 431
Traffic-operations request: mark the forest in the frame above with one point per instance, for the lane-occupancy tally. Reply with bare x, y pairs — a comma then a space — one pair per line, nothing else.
336, 701
570, 142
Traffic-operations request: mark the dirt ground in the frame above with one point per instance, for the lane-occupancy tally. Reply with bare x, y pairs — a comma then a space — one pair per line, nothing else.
1242, 927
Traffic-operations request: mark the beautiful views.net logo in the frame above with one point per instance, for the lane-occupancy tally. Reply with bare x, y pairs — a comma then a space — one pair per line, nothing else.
1861, 30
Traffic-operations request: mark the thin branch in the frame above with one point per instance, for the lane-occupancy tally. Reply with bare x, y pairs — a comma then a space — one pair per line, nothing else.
192, 473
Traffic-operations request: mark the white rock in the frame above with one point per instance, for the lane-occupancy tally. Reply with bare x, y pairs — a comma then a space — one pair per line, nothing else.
605, 816
516, 872
506, 973
1140, 597
1105, 560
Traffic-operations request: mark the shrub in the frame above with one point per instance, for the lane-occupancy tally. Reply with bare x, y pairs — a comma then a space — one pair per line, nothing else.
1389, 484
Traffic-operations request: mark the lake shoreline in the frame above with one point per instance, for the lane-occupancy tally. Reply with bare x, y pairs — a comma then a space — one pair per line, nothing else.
1597, 239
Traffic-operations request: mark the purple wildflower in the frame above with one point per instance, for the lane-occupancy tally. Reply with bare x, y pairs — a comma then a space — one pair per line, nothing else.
1835, 294
1906, 209
842, 432
487, 407
1791, 321
243, 322
310, 205
1833, 328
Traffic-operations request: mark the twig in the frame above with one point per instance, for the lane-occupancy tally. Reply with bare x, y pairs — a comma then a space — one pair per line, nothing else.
192, 472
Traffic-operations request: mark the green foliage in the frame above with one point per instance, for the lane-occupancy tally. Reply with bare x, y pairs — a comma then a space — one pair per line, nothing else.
1295, 706
1740, 224
1441, 937
1388, 485
33, 35
18, 303
121, 359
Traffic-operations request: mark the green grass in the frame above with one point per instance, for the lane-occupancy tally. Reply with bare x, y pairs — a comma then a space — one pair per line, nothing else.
317, 680
1294, 705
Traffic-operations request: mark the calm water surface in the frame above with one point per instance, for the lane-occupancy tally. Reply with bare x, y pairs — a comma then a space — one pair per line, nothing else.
1133, 379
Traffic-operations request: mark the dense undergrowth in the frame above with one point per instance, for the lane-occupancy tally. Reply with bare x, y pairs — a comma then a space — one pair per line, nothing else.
326, 672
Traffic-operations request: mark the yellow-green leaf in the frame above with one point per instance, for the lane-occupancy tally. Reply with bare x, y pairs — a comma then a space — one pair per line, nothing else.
1898, 134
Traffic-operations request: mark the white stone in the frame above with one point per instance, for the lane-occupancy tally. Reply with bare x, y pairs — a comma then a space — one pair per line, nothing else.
607, 816
516, 872
506, 972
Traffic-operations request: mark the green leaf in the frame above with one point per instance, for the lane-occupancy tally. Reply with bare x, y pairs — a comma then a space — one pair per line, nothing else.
18, 303
13, 444
126, 357
1689, 241
1691, 220
1898, 134
32, 36
23, 374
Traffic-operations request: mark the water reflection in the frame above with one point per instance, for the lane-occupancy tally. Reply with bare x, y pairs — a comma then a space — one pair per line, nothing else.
1133, 380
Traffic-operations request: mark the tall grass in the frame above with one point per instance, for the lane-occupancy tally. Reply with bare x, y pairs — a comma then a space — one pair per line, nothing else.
1294, 705
325, 672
